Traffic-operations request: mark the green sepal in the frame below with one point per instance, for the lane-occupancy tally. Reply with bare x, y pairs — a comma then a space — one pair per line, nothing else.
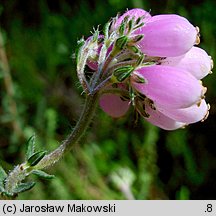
106, 30
134, 49
80, 44
42, 174
121, 42
136, 38
36, 158
123, 25
139, 19
148, 63
139, 79
123, 72
126, 18
95, 35
131, 24
22, 187
30, 146
122, 28
140, 60
138, 26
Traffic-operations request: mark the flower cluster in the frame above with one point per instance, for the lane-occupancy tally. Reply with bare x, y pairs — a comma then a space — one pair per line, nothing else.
151, 63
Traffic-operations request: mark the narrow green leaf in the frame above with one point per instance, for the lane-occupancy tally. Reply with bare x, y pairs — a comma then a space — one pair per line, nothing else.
42, 174
36, 158
30, 146
3, 174
22, 187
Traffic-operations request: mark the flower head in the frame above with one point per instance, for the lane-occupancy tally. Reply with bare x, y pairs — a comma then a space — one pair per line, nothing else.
151, 63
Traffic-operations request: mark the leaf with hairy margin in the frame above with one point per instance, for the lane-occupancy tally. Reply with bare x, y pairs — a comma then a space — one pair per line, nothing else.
42, 174
22, 187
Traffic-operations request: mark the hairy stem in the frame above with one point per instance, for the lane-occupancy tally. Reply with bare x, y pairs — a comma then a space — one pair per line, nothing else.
20, 172
74, 136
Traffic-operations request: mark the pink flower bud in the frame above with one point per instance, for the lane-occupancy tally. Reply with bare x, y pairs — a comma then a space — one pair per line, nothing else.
196, 61
167, 36
93, 57
113, 105
169, 86
92, 64
92, 60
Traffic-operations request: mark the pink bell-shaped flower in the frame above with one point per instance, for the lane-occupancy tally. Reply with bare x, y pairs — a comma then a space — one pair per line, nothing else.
169, 86
167, 36
196, 61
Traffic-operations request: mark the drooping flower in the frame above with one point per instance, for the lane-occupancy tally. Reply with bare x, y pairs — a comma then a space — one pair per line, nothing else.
171, 93
170, 97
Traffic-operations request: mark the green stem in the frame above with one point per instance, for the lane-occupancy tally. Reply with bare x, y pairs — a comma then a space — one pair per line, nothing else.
19, 173
74, 136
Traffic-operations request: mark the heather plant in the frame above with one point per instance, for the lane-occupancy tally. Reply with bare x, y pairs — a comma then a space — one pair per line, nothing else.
142, 64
